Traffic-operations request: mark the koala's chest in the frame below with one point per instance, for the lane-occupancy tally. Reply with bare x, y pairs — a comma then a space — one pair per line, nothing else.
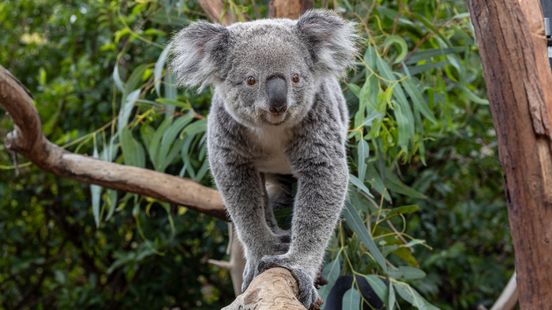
270, 146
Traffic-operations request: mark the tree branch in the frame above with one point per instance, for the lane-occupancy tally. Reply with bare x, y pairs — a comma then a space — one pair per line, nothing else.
509, 297
27, 139
274, 289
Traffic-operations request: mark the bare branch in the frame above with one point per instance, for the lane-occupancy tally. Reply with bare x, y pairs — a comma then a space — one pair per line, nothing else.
27, 139
509, 297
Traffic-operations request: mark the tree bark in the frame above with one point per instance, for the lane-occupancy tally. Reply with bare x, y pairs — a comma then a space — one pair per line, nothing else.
512, 44
274, 289
288, 9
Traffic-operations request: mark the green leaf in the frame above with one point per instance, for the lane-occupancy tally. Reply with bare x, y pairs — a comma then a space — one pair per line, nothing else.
360, 185
355, 89
472, 96
391, 300
393, 183
417, 99
133, 152
126, 108
117, 78
171, 133
406, 273
362, 154
412, 297
195, 128
351, 299
147, 132
430, 53
354, 221
421, 68
331, 273
402, 110
158, 69
96, 192
111, 202
135, 79
402, 210
153, 146
176, 103
170, 91
401, 46
379, 287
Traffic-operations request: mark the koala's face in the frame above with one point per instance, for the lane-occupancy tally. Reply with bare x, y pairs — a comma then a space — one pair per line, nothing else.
267, 72
270, 81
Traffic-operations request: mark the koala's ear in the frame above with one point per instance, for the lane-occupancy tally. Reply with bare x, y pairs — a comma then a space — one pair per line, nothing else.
198, 53
330, 40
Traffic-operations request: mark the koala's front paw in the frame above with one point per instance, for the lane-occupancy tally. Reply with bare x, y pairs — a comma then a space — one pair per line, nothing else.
279, 245
308, 295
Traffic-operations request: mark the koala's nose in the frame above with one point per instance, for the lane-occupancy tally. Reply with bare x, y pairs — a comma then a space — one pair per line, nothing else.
276, 89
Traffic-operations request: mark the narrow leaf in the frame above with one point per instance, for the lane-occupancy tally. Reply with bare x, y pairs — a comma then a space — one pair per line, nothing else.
351, 299
354, 221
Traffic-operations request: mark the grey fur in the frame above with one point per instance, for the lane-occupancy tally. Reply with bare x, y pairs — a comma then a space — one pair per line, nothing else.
249, 147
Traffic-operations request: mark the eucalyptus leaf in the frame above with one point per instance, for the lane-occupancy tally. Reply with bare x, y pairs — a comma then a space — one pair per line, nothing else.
158, 69
351, 299
412, 296
354, 221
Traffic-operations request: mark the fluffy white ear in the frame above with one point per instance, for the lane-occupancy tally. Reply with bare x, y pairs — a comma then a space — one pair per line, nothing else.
198, 53
330, 40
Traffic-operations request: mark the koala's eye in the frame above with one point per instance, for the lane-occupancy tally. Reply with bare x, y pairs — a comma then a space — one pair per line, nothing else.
295, 78
250, 81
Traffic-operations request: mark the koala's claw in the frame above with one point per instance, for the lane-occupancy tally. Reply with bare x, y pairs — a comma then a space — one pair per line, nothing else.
308, 295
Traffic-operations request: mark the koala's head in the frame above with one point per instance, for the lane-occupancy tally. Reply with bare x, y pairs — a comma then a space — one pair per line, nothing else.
266, 71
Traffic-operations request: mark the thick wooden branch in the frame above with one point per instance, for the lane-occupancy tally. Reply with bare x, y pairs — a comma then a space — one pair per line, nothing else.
274, 289
512, 44
27, 139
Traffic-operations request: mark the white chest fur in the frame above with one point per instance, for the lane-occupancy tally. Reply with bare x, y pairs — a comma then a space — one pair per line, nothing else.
271, 143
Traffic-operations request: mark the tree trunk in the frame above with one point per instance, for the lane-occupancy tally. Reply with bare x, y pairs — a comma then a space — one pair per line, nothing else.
513, 51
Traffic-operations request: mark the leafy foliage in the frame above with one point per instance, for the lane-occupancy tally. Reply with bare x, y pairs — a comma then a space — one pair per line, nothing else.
425, 214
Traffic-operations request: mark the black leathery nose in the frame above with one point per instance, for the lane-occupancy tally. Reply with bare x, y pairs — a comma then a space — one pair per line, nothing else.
276, 89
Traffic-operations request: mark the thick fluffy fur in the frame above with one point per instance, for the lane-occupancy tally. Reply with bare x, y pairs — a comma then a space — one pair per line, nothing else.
249, 148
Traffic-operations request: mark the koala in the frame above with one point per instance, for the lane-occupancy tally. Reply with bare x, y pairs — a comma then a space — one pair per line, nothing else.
278, 115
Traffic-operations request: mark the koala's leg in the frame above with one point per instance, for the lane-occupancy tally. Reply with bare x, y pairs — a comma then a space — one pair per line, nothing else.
244, 196
320, 197
279, 190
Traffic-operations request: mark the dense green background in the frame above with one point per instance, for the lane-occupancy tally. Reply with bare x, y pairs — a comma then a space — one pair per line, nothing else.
426, 207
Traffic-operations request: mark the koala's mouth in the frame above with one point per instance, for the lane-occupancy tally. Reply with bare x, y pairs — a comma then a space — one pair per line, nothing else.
275, 119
